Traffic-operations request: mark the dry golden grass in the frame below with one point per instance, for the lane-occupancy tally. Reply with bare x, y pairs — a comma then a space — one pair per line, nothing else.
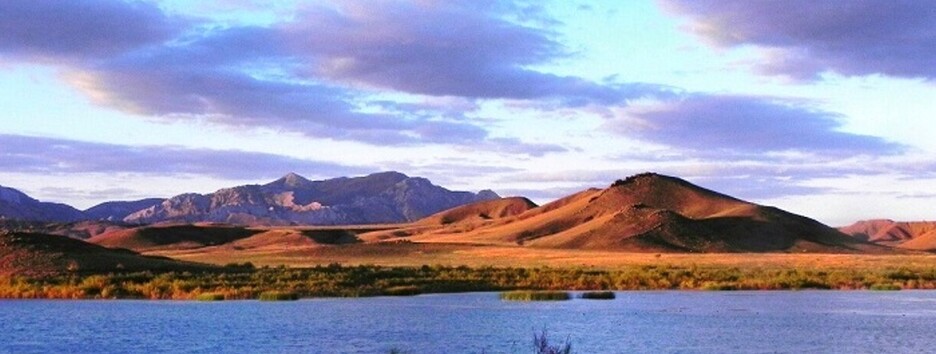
416, 254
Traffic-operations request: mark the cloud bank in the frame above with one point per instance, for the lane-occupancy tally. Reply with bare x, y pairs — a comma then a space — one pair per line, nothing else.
28, 154
804, 38
312, 73
742, 125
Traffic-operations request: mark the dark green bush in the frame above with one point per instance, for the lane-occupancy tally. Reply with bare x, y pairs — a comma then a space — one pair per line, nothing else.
598, 295
522, 295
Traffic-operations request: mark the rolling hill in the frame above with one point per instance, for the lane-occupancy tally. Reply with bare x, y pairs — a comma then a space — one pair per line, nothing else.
650, 213
150, 238
914, 235
35, 254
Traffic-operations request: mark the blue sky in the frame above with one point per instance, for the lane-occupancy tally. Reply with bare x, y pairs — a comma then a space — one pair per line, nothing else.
818, 108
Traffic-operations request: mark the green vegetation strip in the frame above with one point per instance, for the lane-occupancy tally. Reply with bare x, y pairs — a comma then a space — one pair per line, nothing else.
535, 296
247, 282
278, 296
885, 287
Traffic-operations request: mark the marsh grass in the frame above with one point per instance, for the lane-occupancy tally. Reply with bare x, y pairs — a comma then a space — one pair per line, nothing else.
524, 295
885, 287
405, 290
717, 286
210, 297
598, 295
368, 280
542, 345
278, 296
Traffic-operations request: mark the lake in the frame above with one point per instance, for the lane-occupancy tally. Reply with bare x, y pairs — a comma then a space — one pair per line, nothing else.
668, 321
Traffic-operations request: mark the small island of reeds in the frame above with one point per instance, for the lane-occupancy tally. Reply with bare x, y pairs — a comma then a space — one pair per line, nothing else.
525, 295
598, 295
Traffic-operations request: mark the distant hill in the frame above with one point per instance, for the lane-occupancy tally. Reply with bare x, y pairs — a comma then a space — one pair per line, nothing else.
914, 235
161, 237
651, 212
388, 197
35, 254
76, 229
292, 239
19, 206
481, 211
119, 210
456, 220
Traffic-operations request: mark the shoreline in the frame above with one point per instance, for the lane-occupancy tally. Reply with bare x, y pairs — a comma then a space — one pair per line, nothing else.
340, 281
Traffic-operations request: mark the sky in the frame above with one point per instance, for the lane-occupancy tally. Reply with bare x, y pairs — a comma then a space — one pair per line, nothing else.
820, 108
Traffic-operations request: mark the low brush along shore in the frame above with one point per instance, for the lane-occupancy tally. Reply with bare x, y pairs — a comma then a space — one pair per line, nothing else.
244, 281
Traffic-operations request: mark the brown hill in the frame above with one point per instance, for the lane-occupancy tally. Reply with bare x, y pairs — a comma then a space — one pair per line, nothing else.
34, 254
292, 239
915, 235
458, 219
78, 229
162, 237
651, 212
480, 211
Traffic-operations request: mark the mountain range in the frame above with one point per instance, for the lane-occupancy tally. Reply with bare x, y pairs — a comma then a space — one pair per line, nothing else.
19, 206
387, 197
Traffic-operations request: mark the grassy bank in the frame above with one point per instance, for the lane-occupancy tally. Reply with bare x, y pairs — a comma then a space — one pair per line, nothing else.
244, 282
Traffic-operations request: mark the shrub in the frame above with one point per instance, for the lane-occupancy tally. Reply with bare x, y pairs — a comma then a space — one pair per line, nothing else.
407, 290
716, 286
278, 296
535, 296
598, 295
210, 297
885, 287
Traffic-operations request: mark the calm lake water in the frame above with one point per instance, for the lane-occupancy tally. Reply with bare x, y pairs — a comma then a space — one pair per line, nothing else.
758, 322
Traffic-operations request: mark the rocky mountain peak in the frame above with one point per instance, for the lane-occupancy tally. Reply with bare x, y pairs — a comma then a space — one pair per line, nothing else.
291, 180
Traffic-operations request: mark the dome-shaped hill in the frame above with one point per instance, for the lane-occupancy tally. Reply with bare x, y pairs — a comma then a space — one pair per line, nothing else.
480, 211
651, 212
34, 254
292, 239
671, 193
151, 238
458, 219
